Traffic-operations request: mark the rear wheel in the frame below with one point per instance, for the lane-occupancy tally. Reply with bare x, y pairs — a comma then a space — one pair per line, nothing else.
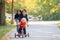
15, 35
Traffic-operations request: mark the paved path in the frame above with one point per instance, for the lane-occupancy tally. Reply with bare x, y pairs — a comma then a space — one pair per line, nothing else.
39, 31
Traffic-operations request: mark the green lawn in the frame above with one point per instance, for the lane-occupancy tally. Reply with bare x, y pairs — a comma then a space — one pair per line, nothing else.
5, 29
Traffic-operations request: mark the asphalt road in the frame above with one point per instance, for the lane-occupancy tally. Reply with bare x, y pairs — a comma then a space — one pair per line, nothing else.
39, 31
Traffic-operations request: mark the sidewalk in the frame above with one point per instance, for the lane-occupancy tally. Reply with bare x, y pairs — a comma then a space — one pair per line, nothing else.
44, 22
41, 30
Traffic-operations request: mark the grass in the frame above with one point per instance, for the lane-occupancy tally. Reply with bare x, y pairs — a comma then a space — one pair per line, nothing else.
5, 29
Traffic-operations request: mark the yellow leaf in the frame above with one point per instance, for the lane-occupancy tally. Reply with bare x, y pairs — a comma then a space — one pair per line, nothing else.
44, 2
52, 10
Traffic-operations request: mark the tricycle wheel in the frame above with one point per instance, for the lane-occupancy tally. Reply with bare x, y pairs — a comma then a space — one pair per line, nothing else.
22, 36
15, 35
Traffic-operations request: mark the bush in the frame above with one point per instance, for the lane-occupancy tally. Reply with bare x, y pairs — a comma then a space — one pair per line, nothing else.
8, 21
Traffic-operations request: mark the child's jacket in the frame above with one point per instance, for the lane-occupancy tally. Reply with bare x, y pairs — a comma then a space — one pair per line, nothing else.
22, 25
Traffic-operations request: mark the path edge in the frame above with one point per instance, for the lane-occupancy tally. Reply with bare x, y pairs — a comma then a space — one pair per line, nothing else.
5, 37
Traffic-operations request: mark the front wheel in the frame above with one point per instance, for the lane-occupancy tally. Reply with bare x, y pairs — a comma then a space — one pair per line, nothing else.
22, 36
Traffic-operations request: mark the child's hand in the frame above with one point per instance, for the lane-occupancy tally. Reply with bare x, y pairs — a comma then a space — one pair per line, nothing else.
27, 25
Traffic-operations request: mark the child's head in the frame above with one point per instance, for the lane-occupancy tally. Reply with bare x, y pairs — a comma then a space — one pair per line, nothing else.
23, 19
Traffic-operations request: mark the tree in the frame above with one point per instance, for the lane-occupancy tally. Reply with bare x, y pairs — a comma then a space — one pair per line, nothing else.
46, 8
2, 12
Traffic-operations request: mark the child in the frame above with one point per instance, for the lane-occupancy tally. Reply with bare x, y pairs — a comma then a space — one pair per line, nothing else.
22, 26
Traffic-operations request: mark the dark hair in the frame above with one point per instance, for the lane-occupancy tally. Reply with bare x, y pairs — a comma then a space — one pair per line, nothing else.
24, 10
19, 11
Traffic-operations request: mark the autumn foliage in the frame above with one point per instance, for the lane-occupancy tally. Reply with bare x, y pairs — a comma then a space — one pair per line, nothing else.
8, 1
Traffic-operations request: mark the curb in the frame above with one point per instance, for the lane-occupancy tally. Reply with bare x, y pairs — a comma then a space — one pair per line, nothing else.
5, 37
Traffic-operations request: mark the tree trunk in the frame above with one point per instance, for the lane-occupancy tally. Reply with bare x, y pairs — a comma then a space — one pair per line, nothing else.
2, 12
